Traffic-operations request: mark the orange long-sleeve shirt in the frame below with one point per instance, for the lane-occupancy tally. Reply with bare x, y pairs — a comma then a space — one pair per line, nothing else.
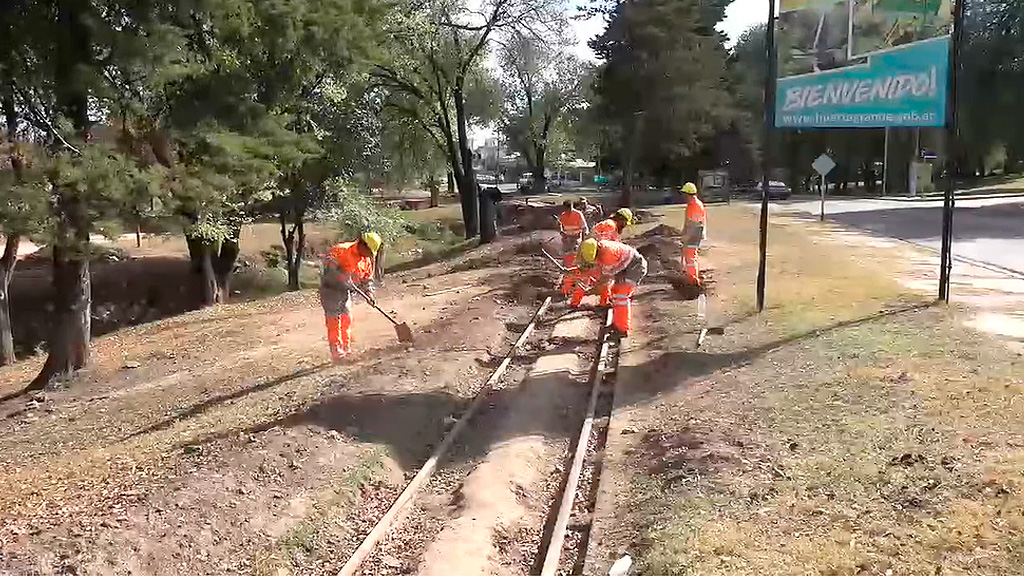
573, 222
695, 227
607, 230
344, 263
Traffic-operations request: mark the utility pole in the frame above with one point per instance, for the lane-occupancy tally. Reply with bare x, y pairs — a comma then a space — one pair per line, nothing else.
949, 201
766, 164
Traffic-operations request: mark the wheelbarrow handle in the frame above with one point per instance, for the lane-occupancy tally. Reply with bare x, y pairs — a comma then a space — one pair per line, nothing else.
371, 303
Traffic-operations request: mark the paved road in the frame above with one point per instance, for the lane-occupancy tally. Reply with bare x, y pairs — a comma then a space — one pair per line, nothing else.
988, 230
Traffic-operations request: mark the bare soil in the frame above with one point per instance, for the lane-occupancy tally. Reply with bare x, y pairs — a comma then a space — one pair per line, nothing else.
221, 441
486, 509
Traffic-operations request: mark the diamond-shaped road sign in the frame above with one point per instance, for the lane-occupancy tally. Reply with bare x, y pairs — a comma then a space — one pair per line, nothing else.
823, 165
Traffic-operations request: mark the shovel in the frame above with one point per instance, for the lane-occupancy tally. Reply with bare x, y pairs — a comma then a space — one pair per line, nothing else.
557, 263
702, 307
403, 330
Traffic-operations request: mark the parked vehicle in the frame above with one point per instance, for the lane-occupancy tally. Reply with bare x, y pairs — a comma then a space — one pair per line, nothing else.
526, 185
487, 179
777, 190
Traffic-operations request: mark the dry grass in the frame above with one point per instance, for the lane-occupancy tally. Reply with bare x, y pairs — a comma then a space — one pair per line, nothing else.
850, 430
323, 537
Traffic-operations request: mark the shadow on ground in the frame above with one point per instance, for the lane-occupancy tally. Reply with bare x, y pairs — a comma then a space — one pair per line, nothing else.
412, 424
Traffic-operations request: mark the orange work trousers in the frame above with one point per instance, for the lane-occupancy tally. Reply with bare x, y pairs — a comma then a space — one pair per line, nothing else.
582, 284
339, 335
691, 265
570, 278
622, 308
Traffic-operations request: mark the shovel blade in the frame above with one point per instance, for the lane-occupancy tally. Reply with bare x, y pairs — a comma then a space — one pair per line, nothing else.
404, 332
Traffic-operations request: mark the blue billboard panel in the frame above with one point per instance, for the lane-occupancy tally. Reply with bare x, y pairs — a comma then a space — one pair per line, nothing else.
863, 63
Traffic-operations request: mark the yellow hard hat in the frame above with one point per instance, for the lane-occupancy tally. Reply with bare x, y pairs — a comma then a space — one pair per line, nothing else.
588, 250
626, 215
689, 188
372, 241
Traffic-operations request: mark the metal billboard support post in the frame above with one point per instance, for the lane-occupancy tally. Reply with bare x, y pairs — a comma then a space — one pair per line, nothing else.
769, 124
949, 200
885, 164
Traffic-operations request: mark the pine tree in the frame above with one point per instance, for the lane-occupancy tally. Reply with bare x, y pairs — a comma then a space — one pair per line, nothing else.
662, 85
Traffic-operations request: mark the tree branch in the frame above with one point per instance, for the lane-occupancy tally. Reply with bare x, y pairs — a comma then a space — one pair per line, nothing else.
42, 122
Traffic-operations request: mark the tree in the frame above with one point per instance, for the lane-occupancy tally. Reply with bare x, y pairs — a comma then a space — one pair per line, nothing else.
307, 60
661, 88
991, 81
61, 73
543, 88
134, 100
23, 209
437, 50
19, 210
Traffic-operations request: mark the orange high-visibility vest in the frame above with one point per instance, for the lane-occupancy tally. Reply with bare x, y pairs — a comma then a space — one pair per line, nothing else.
607, 230
573, 222
613, 257
695, 227
347, 260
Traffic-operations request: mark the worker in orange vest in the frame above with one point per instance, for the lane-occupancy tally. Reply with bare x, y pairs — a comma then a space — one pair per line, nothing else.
345, 266
694, 232
611, 229
573, 225
619, 268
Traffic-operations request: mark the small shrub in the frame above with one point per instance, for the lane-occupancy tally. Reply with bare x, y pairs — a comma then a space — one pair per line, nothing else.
353, 212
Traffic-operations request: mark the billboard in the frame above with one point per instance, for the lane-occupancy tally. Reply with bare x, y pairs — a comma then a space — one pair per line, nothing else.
862, 63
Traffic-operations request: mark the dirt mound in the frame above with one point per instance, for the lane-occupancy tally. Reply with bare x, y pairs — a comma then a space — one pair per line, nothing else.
531, 288
662, 231
662, 254
664, 262
529, 216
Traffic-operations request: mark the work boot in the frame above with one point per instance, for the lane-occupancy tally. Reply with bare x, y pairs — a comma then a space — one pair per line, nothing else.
338, 355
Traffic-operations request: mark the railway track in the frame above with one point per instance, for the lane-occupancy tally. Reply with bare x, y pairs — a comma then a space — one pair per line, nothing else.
511, 488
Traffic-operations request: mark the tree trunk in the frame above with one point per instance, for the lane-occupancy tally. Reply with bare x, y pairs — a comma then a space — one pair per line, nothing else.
435, 194
7, 263
10, 256
632, 157
380, 263
207, 278
72, 322
195, 253
295, 248
224, 264
202, 252
467, 200
467, 185
540, 180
